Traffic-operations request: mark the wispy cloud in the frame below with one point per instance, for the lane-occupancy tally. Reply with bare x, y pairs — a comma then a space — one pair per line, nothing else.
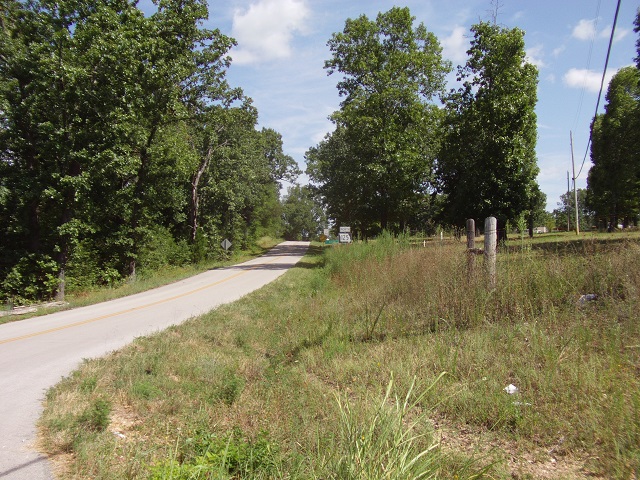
264, 31
455, 46
557, 51
588, 30
584, 30
588, 79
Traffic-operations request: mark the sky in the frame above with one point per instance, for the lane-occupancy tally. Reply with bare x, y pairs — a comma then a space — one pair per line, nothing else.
282, 47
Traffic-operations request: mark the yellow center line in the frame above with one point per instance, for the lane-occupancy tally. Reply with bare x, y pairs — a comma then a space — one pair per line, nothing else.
141, 307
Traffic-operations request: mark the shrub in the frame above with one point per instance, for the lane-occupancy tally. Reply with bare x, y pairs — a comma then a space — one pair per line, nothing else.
34, 277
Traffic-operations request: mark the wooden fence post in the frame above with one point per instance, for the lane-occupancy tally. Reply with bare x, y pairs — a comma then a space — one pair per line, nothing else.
471, 246
490, 244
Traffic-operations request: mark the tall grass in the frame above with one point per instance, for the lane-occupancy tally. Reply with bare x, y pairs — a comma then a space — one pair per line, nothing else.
298, 373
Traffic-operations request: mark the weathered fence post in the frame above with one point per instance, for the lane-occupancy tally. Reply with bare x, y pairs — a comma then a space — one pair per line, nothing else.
471, 246
490, 244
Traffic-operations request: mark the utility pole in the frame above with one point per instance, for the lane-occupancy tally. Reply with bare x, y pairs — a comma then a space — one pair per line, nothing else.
568, 196
575, 191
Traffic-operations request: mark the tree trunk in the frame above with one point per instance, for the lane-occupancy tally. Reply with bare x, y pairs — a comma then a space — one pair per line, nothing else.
195, 198
138, 205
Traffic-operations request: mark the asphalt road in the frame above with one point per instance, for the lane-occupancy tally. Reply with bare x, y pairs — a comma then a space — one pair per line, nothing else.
36, 353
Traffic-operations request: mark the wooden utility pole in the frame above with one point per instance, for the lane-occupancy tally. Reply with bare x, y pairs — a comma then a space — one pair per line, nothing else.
471, 246
575, 191
568, 201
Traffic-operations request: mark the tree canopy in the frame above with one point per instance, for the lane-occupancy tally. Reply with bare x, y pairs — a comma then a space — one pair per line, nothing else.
374, 170
122, 146
614, 179
487, 164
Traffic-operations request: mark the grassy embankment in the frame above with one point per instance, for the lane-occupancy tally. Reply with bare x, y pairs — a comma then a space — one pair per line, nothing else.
379, 360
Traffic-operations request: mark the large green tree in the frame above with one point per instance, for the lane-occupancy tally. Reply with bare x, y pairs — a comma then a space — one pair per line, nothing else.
302, 213
378, 168
565, 214
614, 180
120, 140
487, 165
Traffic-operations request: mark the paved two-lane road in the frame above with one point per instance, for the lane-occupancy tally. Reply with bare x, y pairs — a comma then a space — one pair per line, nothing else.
36, 353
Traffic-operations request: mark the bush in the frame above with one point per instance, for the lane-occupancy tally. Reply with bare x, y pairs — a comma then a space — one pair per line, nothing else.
222, 457
161, 250
33, 278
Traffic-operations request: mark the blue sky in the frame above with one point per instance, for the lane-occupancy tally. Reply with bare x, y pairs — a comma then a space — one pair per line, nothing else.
282, 48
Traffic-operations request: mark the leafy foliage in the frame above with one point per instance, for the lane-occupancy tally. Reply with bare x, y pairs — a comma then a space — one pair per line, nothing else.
566, 211
302, 213
114, 126
487, 164
226, 457
375, 169
614, 179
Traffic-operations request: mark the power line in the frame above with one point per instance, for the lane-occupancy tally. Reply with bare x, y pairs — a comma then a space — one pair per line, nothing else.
586, 72
604, 73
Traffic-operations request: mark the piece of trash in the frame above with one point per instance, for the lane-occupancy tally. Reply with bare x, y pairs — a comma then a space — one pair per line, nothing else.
521, 404
584, 299
118, 434
511, 389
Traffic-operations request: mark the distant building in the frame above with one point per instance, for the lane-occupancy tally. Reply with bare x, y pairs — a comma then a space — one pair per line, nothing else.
540, 230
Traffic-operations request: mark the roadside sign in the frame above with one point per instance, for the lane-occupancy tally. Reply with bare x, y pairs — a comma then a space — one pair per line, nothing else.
326, 232
345, 237
226, 244
345, 229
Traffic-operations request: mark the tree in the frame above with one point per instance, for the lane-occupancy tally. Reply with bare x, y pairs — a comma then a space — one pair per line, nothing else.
614, 179
487, 164
386, 129
302, 213
637, 30
537, 214
120, 136
566, 211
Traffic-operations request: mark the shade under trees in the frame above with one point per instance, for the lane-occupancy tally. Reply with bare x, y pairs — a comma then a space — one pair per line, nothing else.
375, 169
487, 165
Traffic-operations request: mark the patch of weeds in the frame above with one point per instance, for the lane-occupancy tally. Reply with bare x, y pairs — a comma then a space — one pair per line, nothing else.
230, 388
96, 417
146, 390
88, 385
389, 441
229, 456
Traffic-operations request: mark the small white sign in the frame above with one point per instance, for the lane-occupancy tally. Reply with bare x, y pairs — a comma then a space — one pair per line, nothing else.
345, 229
326, 232
345, 237
226, 244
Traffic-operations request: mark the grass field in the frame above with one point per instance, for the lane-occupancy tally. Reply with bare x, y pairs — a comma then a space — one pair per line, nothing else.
379, 360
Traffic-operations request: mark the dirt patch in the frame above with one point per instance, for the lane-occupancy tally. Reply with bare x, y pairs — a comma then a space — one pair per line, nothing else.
522, 461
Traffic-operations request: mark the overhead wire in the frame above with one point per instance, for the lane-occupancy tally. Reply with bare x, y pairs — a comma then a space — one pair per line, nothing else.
586, 72
604, 74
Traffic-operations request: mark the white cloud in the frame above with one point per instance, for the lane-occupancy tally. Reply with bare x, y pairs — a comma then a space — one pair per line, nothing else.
588, 79
517, 16
534, 56
264, 31
557, 51
455, 46
588, 30
584, 30
620, 34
